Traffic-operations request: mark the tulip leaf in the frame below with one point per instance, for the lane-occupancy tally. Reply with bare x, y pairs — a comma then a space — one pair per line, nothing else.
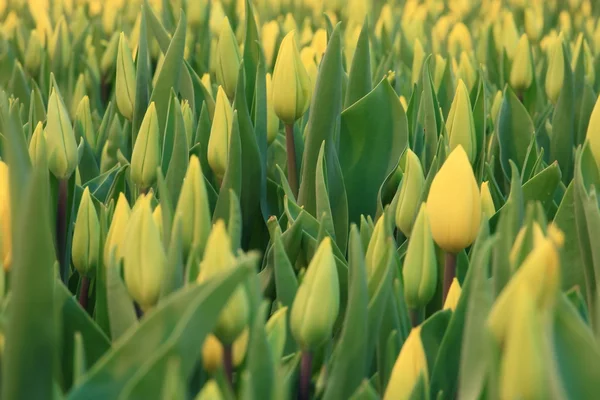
374, 133
134, 367
104, 129
101, 185
359, 81
286, 283
542, 186
201, 93
142, 79
260, 129
19, 87
233, 173
174, 276
121, 313
430, 116
259, 359
252, 54
14, 150
432, 335
365, 392
88, 166
585, 111
201, 142
323, 206
179, 157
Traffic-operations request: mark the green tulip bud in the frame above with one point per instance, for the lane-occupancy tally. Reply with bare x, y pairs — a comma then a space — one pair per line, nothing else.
37, 144
109, 56
59, 46
466, 71
193, 209
78, 94
377, 253
116, 231
272, 120
62, 148
317, 301
588, 59
510, 35
86, 237
84, 127
269, 36
496, 104
218, 142
410, 192
228, 59
291, 83
418, 60
556, 71
420, 264
439, 71
276, 329
210, 390
146, 151
188, 121
126, 81
460, 124
144, 256
487, 202
521, 74
217, 259
33, 53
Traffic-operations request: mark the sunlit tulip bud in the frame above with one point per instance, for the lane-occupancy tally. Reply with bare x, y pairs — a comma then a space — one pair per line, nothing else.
404, 103
33, 53
317, 302
466, 71
11, 23
521, 74
377, 253
86, 237
487, 202
410, 366
385, 20
418, 60
534, 23
454, 204
556, 71
60, 40
308, 57
524, 365
439, 71
5, 220
319, 44
212, 354
109, 57
228, 59
289, 24
537, 237
144, 256
539, 274
116, 233
269, 37
60, 140
420, 265
276, 329
272, 120
510, 35
459, 40
453, 296
564, 23
125, 83
196, 12
586, 8
206, 81
37, 144
218, 258
291, 83
411, 190
588, 59
210, 391
218, 143
496, 104
460, 124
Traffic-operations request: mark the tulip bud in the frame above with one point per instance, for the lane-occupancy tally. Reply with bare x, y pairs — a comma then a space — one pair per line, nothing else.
453, 204
59, 46
496, 104
109, 18
212, 354
116, 232
228, 59
565, 24
593, 133
510, 35
537, 239
487, 202
418, 60
144, 256
216, 17
62, 149
218, 142
158, 220
125, 83
5, 220
410, 192
460, 124
404, 103
33, 54
240, 347
84, 126
276, 329
459, 40
439, 71
317, 301
196, 12
210, 391
37, 145
534, 23
556, 71
291, 83
453, 296
377, 254
289, 24
588, 60
272, 120
269, 36
78, 94
145, 158
420, 265
188, 121
217, 259
385, 20
307, 33
319, 44
521, 74
409, 367
86, 237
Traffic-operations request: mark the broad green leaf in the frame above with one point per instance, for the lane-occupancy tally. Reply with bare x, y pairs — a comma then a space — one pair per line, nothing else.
259, 360
359, 81
286, 283
433, 330
542, 186
179, 157
142, 79
323, 207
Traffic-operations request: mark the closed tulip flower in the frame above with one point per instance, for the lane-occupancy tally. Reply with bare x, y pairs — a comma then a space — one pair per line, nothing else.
537, 237
218, 143
86, 237
556, 71
593, 133
534, 23
459, 40
487, 203
411, 190
37, 144
377, 253
5, 219
210, 391
116, 231
466, 71
453, 296
33, 54
228, 59
269, 37
145, 158
60, 140
125, 83
521, 74
308, 56
212, 354
460, 124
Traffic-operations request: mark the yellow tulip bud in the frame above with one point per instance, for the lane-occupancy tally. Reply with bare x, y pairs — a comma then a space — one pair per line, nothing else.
439, 71
126, 81
377, 253
565, 24
217, 14
454, 205
521, 74
62, 149
210, 391
459, 40
289, 24
276, 329
453, 296
116, 232
158, 219
59, 46
109, 18
409, 367
588, 60
212, 354
466, 71
291, 83
78, 94
84, 127
317, 302
188, 121
207, 83
460, 124
308, 57
534, 23
418, 60
487, 202
269, 36
228, 59
240, 347
86, 237
556, 71
196, 12
319, 44
33, 54
420, 265
403, 102
410, 193
37, 145
307, 33
217, 259
272, 120
5, 219
538, 238
510, 35
496, 104
218, 143
145, 158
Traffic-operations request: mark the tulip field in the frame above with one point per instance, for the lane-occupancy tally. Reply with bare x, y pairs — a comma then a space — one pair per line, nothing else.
299, 199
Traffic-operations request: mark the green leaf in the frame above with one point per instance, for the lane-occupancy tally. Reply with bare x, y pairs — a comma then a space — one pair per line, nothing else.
179, 158
430, 115
542, 186
359, 81
79, 366
432, 335
174, 276
121, 313
260, 362
142, 79
233, 173
323, 206
14, 150
252, 54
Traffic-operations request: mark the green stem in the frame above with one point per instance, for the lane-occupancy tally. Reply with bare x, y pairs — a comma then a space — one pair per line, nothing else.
291, 159
305, 375
449, 273
228, 363
415, 317
84, 292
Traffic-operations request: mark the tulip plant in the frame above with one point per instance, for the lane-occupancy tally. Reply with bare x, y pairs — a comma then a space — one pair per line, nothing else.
299, 199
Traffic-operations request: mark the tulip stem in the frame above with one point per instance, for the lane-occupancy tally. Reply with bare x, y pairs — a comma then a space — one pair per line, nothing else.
84, 291
449, 273
228, 362
291, 158
61, 228
415, 317
305, 375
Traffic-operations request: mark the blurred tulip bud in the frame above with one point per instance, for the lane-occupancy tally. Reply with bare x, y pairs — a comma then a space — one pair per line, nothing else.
460, 124
317, 302
33, 54
385, 21
534, 23
269, 37
440, 32
144, 256
212, 354
272, 120
196, 12
145, 158
116, 233
588, 60
510, 35
411, 190
78, 94
565, 24
593, 133
418, 60
496, 104
86, 237
188, 121
217, 14
84, 126
534, 231
37, 144
404, 103
409, 367
60, 140
109, 56
459, 40
126, 81
521, 74
218, 142
291, 83
289, 24
307, 33
487, 202
217, 259
109, 18
240, 347
207, 83
319, 44
454, 204
308, 57
158, 220
5, 220
210, 391
377, 253
276, 329
420, 264
228, 59
466, 71
59, 46
453, 296
556, 71
439, 71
